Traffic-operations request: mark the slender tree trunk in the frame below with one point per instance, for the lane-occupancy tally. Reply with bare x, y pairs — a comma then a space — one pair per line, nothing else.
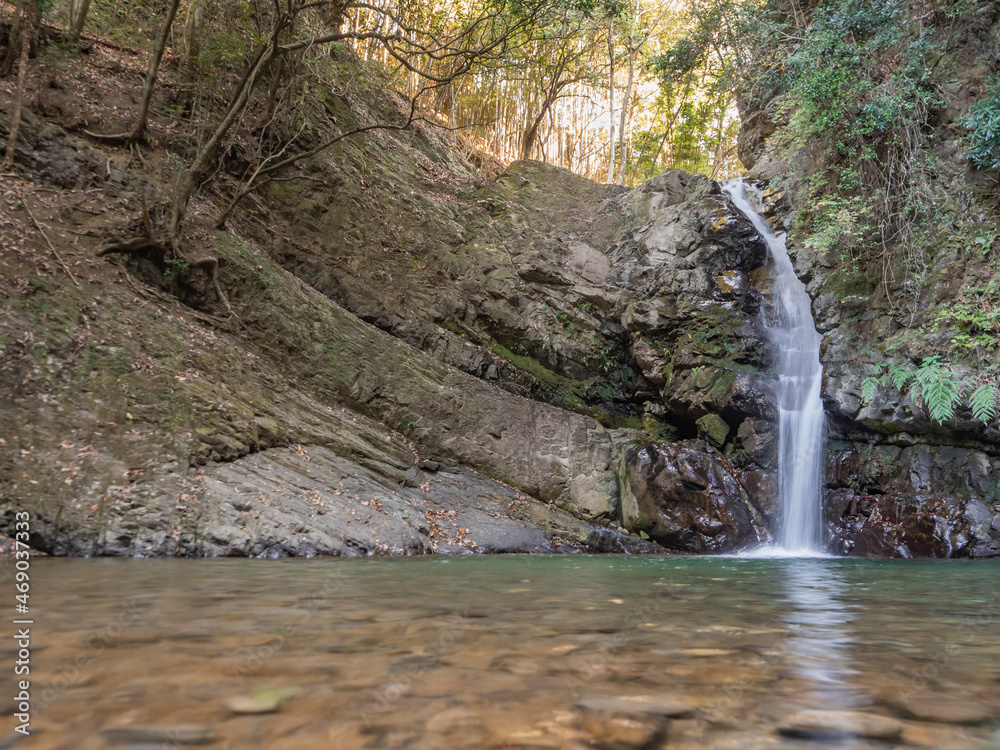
27, 24
273, 89
451, 106
205, 156
531, 134
13, 46
611, 98
720, 150
621, 125
78, 10
154, 66
192, 51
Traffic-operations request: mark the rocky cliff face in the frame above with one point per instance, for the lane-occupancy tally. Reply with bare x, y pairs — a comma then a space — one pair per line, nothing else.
417, 360
899, 484
422, 360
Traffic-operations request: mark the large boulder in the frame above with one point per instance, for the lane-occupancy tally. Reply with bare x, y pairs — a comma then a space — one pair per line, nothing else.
690, 276
686, 496
904, 525
915, 501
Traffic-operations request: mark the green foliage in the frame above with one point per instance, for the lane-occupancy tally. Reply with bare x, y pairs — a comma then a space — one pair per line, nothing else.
937, 386
983, 122
898, 375
840, 223
983, 401
132, 23
847, 90
695, 126
174, 266
974, 317
856, 80
868, 387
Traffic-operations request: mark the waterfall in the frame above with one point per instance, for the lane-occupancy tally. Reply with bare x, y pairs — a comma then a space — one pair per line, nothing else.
799, 377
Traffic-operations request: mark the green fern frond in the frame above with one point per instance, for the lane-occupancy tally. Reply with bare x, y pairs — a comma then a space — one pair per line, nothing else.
937, 388
984, 401
900, 375
868, 388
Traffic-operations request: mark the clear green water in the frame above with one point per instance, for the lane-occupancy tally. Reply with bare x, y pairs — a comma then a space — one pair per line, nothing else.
498, 652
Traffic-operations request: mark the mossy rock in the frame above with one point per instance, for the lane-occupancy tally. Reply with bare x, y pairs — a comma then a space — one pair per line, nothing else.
713, 428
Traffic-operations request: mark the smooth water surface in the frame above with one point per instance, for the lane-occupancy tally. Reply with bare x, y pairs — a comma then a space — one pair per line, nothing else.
798, 386
510, 651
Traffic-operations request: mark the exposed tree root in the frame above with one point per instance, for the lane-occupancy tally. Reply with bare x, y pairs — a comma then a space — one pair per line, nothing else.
128, 247
118, 138
213, 263
66, 268
137, 245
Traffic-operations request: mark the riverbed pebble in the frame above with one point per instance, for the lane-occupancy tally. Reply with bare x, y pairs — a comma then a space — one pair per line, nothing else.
167, 735
840, 725
944, 710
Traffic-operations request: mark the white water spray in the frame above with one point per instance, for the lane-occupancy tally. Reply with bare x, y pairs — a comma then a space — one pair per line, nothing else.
799, 379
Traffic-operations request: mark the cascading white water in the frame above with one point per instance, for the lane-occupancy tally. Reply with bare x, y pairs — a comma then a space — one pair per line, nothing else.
799, 379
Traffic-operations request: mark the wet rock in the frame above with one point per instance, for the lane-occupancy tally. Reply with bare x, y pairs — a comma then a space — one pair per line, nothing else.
713, 428
623, 732
618, 542
248, 704
762, 486
462, 725
702, 652
826, 312
757, 439
690, 306
898, 525
840, 725
686, 497
628, 723
731, 392
937, 737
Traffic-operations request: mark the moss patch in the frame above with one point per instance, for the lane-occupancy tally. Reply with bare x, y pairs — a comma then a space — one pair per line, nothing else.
537, 370
713, 428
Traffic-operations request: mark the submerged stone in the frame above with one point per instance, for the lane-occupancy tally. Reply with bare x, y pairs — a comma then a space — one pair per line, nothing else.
638, 704
832, 725
168, 735
945, 710
248, 704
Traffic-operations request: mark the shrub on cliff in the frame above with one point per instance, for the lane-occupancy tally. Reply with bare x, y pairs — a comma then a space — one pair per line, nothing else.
983, 122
